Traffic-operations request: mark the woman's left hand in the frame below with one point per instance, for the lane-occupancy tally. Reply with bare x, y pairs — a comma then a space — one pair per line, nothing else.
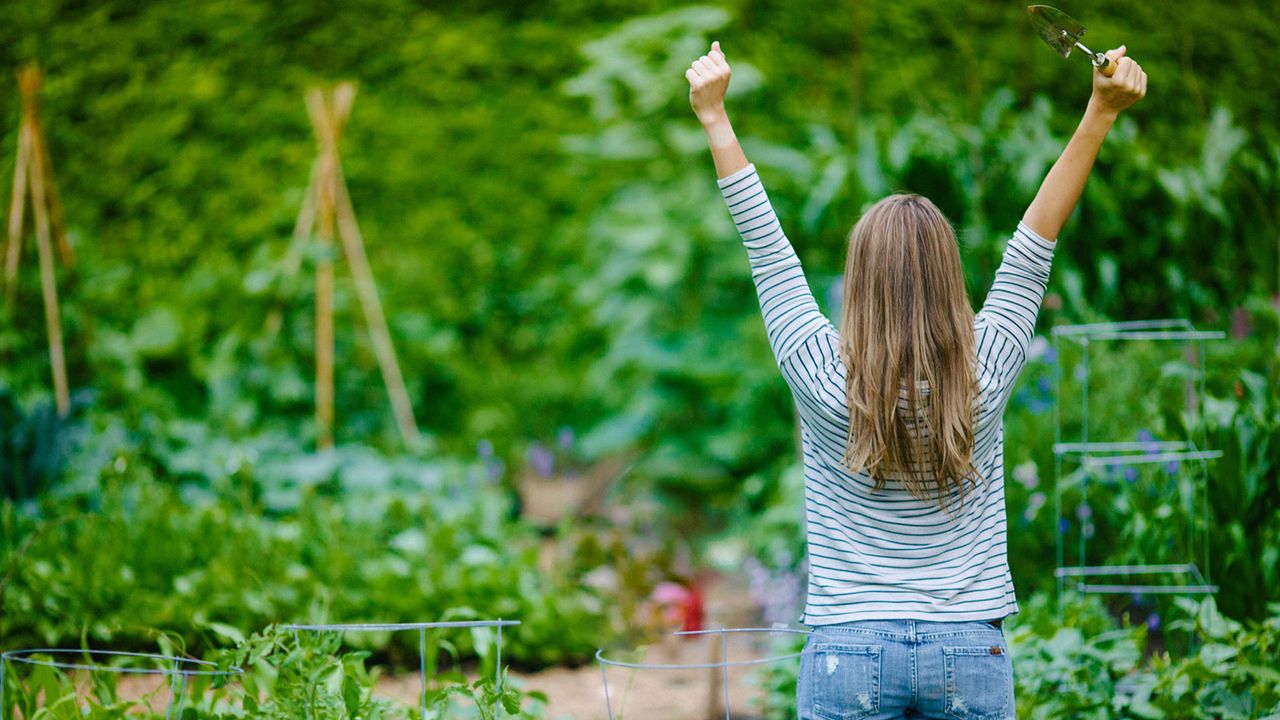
708, 78
1127, 86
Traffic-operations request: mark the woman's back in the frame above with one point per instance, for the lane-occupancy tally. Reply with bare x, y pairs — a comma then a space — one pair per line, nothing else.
885, 553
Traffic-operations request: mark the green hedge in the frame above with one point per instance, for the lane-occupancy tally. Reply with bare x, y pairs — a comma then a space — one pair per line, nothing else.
489, 181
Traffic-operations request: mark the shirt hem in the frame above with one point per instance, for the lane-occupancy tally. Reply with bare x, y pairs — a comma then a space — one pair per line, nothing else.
975, 616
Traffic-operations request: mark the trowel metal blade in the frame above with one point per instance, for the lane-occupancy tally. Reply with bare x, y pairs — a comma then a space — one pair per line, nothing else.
1056, 28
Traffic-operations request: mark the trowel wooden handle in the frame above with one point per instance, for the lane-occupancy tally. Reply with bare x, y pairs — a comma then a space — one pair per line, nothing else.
1105, 65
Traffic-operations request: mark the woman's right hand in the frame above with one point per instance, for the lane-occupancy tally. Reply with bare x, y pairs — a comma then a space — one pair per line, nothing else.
708, 78
1125, 87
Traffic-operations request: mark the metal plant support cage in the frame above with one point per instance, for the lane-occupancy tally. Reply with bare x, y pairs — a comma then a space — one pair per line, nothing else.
180, 671
1090, 455
723, 665
422, 628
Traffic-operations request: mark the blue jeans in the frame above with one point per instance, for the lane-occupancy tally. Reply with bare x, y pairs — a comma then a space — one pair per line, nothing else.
876, 669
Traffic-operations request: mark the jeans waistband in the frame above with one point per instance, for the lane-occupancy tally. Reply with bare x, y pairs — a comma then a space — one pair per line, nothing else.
910, 630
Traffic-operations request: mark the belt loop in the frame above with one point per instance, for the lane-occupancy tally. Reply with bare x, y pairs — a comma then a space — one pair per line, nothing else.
911, 631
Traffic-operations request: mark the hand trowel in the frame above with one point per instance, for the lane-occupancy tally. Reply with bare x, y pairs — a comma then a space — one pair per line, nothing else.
1063, 35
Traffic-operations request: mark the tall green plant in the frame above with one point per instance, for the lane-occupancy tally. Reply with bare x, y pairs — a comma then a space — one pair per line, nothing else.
312, 675
1244, 494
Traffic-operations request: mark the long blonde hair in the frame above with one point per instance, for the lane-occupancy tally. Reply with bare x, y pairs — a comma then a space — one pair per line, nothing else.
907, 320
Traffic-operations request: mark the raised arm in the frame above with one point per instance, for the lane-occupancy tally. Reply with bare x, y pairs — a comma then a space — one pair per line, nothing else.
708, 78
1008, 316
792, 319
1064, 183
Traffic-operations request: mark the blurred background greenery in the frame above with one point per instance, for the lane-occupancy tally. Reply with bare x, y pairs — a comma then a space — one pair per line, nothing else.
566, 291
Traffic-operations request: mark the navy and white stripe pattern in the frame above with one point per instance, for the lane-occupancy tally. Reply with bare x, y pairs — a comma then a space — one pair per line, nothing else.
885, 555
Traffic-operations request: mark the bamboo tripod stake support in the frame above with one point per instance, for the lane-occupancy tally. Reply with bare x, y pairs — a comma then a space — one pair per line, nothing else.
33, 176
328, 210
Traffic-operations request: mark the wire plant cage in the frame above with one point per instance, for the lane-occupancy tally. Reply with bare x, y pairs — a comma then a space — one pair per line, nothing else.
721, 666
422, 628
178, 670
1092, 464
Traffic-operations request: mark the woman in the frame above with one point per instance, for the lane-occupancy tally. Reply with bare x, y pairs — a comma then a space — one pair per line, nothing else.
900, 417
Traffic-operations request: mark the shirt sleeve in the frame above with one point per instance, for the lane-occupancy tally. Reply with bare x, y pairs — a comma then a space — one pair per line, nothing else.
791, 315
1007, 319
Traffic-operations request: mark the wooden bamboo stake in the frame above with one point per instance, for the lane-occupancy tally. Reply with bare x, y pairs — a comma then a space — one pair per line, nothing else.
305, 223
32, 175
324, 332
324, 351
326, 139
32, 144
328, 205
30, 81
56, 216
48, 285
302, 229
367, 291
17, 206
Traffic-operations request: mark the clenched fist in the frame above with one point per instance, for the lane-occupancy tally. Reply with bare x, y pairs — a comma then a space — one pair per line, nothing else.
708, 78
1125, 87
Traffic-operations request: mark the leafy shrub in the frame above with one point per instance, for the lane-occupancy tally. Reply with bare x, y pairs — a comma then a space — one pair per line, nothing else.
310, 675
1245, 495
286, 676
142, 554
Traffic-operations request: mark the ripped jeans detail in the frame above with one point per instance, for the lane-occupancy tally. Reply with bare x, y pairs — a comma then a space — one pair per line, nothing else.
846, 681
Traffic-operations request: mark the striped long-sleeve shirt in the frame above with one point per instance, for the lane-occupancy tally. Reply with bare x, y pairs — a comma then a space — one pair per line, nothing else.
884, 554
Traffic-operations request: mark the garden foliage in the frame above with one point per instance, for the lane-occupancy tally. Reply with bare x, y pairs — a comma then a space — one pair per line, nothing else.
278, 535
555, 261
274, 674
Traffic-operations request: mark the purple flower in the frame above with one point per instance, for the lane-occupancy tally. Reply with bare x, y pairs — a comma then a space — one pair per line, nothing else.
540, 459
1044, 385
1153, 622
1145, 435
484, 449
1084, 512
1131, 474
564, 438
496, 469
1063, 526
1172, 467
1051, 355
1138, 598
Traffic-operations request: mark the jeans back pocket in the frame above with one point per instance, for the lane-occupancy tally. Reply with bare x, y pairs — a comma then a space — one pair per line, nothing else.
846, 680
979, 682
